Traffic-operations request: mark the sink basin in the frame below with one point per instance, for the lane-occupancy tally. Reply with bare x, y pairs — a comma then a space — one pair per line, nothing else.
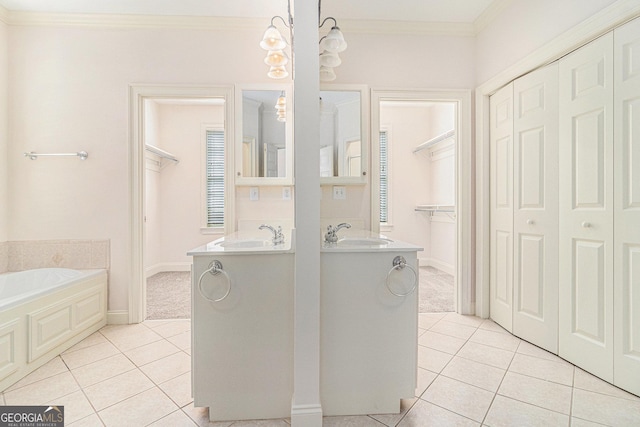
363, 241
245, 244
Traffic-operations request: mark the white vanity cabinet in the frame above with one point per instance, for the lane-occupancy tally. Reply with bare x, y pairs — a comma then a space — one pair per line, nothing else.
368, 347
242, 345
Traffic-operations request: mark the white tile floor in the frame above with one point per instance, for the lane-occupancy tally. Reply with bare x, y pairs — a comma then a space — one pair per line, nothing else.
471, 373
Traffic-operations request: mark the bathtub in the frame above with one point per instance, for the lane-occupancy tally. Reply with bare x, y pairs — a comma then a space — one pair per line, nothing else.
45, 311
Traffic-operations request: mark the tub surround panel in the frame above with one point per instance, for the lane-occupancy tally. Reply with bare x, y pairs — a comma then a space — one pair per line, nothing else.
41, 327
4, 257
76, 254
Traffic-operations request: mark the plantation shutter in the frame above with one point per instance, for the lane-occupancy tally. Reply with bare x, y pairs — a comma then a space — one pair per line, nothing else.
215, 178
384, 178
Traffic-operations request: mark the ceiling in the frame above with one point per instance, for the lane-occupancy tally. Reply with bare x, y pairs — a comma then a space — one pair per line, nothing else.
432, 11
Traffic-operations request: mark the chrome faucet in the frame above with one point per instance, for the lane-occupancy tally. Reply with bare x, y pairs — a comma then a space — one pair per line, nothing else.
278, 237
331, 235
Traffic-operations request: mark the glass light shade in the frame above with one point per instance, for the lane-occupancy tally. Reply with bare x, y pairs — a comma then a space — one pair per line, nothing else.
272, 39
330, 59
334, 41
278, 72
282, 101
276, 58
327, 74
281, 119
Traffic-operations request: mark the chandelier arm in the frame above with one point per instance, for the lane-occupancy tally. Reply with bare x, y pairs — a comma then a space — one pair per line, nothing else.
282, 19
335, 23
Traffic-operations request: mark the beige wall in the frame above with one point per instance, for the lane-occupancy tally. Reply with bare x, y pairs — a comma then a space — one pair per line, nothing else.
69, 92
417, 179
4, 135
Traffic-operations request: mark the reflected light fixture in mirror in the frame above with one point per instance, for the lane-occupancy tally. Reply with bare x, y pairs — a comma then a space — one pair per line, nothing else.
330, 45
281, 107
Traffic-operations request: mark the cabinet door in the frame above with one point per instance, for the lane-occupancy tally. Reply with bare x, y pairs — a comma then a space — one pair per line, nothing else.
586, 207
535, 217
501, 181
627, 207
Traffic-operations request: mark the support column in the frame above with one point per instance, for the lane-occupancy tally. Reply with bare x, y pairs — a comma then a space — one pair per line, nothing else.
306, 409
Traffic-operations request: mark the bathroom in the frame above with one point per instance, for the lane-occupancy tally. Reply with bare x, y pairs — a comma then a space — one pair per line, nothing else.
67, 86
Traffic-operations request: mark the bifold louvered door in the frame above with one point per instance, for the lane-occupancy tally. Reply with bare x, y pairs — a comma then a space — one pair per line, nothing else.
586, 207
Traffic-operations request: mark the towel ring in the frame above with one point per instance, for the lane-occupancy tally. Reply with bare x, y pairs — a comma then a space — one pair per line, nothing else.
400, 263
215, 268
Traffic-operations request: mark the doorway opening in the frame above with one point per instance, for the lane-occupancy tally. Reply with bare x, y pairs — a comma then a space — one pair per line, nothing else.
419, 142
171, 129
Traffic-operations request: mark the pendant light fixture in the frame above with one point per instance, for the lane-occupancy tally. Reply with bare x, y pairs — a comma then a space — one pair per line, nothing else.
329, 46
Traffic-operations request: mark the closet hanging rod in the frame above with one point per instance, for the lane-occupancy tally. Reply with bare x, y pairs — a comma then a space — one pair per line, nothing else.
33, 155
161, 153
434, 141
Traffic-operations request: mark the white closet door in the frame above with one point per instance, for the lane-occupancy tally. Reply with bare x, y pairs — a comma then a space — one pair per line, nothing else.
586, 207
535, 217
627, 207
501, 269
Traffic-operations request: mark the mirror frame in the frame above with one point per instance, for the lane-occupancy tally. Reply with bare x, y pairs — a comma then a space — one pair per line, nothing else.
239, 137
365, 141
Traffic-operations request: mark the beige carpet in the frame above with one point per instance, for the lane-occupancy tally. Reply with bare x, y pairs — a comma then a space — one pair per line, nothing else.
436, 291
169, 295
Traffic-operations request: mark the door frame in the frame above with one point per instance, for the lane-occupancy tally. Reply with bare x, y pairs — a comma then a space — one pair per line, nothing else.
600, 23
137, 95
463, 294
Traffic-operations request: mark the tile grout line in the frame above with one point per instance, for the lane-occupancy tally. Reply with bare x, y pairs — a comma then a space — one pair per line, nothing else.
498, 388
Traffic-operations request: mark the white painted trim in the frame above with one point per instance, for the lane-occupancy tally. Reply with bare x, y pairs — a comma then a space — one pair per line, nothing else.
306, 415
118, 317
96, 20
221, 23
137, 94
464, 185
591, 28
489, 14
164, 267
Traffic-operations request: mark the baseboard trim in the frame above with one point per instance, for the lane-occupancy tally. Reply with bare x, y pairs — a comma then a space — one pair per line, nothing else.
167, 266
432, 262
118, 317
306, 415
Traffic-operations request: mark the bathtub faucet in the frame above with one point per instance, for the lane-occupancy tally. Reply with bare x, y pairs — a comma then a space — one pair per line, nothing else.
332, 232
278, 237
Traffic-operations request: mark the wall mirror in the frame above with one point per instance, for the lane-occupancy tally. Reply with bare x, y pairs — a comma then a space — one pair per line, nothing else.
264, 124
344, 136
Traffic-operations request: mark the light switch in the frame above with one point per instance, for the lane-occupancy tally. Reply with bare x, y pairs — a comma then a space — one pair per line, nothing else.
339, 192
254, 193
286, 193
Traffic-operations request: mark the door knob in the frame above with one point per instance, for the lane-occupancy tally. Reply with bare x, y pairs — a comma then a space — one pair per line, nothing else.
586, 224
530, 222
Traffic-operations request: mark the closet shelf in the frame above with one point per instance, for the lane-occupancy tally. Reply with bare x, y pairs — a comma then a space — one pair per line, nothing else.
161, 153
449, 210
434, 141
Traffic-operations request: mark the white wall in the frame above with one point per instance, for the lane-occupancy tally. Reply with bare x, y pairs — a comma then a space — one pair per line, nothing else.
525, 26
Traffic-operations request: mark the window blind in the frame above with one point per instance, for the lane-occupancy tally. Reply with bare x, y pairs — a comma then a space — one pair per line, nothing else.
215, 178
384, 178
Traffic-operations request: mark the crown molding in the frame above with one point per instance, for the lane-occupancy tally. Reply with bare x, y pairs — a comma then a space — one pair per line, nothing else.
489, 14
19, 18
